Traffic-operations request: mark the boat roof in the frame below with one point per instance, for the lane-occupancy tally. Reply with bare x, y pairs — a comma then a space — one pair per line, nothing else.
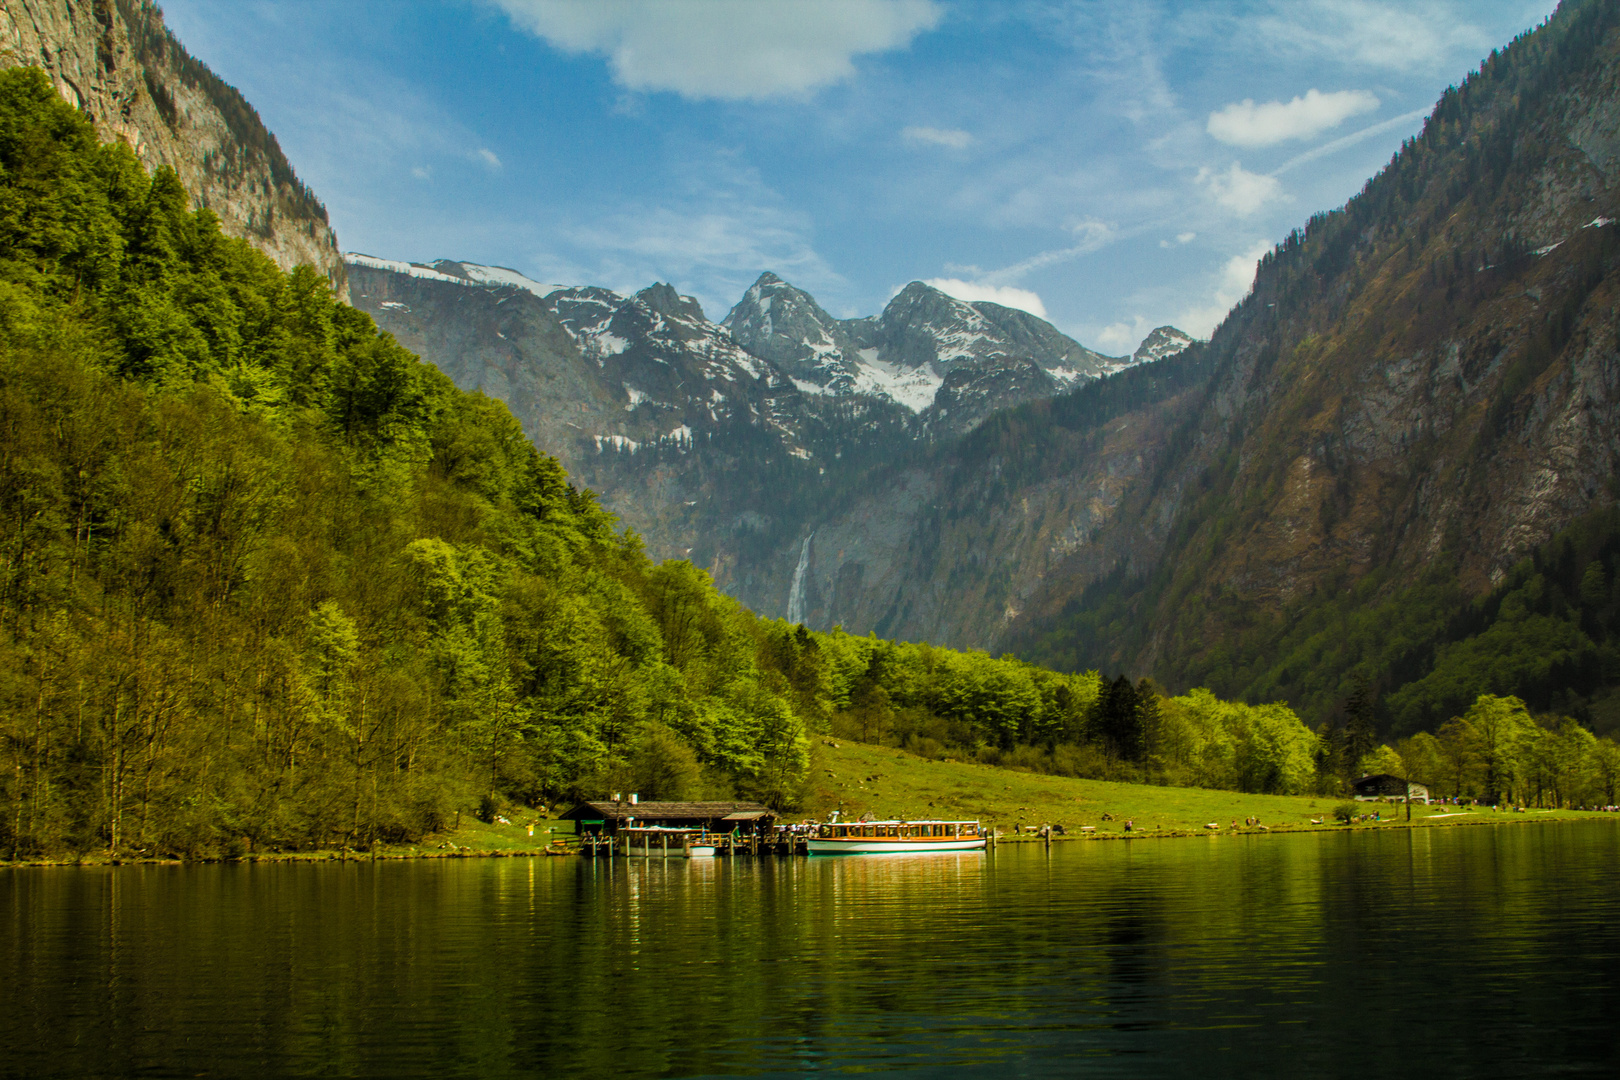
909, 821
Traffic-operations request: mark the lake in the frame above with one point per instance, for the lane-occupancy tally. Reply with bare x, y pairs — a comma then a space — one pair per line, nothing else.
1472, 952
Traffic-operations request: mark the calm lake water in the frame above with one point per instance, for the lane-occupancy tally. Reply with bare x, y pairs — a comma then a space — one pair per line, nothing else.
1470, 952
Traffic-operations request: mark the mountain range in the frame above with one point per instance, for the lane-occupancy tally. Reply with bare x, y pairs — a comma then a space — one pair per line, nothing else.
727, 443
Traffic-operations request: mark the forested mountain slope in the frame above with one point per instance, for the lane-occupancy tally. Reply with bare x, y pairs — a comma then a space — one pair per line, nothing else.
1421, 391
118, 62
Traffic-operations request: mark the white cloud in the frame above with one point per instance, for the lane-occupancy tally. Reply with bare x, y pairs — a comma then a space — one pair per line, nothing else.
1244, 123
1240, 191
1181, 238
422, 172
1005, 295
951, 137
726, 49
1231, 284
488, 157
1122, 338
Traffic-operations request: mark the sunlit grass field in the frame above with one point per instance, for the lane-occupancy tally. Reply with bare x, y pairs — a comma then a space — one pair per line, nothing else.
893, 783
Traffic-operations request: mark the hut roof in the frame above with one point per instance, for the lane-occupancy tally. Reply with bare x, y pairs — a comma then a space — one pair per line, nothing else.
1383, 781
608, 810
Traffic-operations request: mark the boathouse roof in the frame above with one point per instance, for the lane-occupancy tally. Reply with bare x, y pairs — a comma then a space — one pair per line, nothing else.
1388, 784
609, 810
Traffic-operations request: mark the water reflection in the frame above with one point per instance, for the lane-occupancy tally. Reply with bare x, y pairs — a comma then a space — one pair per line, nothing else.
1481, 951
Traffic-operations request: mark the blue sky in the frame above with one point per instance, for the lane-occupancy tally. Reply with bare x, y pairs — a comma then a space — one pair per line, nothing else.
1111, 164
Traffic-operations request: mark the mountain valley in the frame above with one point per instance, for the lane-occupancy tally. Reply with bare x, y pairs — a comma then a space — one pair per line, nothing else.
729, 443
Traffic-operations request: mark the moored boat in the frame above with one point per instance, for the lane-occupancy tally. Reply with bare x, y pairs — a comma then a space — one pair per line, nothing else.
895, 837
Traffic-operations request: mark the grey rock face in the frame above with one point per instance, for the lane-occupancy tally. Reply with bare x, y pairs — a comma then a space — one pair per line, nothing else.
117, 63
785, 325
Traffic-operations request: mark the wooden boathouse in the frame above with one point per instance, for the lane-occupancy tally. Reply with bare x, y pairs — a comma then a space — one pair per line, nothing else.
608, 817
1388, 786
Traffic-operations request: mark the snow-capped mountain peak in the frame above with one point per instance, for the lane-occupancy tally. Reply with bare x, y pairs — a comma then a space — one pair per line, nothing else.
1162, 343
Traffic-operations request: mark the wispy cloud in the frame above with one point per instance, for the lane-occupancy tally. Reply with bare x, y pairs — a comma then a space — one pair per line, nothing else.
1244, 123
711, 248
1349, 140
487, 156
1092, 236
951, 137
726, 49
1406, 36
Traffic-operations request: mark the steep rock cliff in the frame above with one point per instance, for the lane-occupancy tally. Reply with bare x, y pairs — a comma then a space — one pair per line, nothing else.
1422, 388
118, 63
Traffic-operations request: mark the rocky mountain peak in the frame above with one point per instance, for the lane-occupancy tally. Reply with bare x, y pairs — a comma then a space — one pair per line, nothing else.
665, 300
1163, 342
783, 324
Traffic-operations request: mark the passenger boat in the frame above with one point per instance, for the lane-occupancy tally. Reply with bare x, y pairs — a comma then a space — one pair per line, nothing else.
894, 837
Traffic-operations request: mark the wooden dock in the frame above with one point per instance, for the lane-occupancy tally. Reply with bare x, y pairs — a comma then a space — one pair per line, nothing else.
646, 844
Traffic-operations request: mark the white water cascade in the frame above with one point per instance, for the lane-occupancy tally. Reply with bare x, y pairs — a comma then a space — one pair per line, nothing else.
796, 590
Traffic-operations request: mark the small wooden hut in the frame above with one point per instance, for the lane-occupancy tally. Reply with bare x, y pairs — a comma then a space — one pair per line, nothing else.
608, 816
1389, 786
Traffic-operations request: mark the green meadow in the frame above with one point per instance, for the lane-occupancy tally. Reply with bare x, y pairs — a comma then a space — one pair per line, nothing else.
892, 783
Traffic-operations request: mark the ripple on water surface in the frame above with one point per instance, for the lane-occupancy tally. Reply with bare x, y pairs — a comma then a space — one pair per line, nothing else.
1455, 952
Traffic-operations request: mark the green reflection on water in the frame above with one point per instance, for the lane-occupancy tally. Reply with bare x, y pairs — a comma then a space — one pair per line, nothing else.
1480, 951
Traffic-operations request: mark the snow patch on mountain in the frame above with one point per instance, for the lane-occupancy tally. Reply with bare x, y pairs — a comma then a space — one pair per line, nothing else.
913, 388
455, 273
415, 270
499, 275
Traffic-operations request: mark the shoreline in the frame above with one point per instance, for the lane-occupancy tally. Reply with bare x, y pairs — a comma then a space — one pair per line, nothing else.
398, 855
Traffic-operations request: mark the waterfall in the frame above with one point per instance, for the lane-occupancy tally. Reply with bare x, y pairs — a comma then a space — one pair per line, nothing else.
796, 590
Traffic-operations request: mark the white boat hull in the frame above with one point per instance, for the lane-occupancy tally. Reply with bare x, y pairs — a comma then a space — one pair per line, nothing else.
872, 845
700, 851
